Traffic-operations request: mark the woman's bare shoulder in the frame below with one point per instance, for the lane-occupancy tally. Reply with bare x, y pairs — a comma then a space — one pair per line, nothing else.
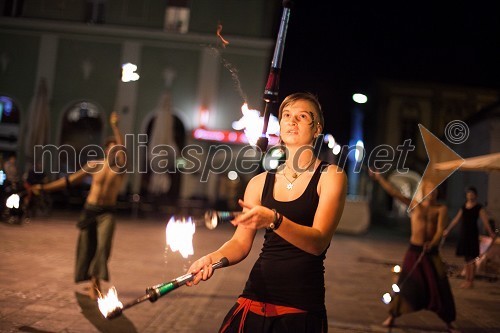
333, 171
255, 186
258, 179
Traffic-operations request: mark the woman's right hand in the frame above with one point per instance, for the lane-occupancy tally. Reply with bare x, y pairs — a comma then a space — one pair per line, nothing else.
254, 216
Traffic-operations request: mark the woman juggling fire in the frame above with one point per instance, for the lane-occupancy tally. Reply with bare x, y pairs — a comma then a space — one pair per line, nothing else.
299, 205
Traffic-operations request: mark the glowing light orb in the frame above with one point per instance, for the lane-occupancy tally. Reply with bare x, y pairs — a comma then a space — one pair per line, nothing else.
12, 201
232, 175
128, 72
336, 149
386, 298
360, 98
359, 152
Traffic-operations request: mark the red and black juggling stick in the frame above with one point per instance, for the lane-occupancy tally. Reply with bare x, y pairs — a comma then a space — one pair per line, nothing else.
272, 85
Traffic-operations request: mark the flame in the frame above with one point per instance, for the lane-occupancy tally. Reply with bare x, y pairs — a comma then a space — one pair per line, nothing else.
252, 124
179, 234
109, 303
219, 30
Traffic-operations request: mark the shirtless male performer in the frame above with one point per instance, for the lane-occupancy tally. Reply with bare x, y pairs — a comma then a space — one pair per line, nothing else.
423, 279
97, 222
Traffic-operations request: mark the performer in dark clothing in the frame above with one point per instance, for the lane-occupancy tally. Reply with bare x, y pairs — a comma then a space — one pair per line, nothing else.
97, 226
423, 280
468, 242
299, 205
96, 223
426, 288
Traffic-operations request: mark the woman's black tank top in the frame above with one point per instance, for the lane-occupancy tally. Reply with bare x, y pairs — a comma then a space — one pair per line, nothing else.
284, 274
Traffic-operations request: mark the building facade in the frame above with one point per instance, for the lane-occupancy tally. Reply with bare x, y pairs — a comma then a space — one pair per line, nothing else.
197, 62
403, 106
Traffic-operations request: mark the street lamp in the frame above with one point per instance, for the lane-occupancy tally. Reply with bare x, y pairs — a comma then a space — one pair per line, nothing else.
359, 98
128, 72
356, 143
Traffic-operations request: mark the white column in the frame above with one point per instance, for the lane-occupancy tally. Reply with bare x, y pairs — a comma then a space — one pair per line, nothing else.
46, 68
208, 79
47, 58
126, 106
126, 96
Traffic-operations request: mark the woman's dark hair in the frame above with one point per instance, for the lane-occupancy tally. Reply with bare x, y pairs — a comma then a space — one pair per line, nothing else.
304, 96
471, 189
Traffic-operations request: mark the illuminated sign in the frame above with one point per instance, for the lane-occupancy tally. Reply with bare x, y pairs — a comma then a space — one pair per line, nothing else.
227, 136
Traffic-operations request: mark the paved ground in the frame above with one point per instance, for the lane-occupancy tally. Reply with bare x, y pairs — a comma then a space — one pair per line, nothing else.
37, 293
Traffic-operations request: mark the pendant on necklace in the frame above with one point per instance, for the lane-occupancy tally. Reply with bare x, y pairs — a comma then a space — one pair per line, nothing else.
289, 186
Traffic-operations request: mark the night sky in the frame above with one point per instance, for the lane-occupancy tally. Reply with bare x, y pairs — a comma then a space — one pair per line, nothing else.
335, 48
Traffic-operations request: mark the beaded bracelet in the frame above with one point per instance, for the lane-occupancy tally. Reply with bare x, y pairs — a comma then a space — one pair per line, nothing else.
278, 218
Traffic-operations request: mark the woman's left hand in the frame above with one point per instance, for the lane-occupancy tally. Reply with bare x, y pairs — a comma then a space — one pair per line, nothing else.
255, 216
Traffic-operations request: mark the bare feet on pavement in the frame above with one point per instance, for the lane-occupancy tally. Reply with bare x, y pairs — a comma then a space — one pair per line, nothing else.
389, 322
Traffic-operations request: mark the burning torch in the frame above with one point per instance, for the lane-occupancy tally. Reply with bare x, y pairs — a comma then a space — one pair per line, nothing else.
111, 307
214, 218
272, 85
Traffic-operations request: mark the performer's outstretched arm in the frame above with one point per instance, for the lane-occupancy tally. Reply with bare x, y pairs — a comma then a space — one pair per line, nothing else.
60, 183
389, 188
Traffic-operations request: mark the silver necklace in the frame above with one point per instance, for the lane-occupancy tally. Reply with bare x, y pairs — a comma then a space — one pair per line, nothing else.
295, 176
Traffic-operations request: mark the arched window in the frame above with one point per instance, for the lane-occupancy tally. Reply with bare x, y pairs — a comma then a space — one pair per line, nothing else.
81, 126
174, 179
